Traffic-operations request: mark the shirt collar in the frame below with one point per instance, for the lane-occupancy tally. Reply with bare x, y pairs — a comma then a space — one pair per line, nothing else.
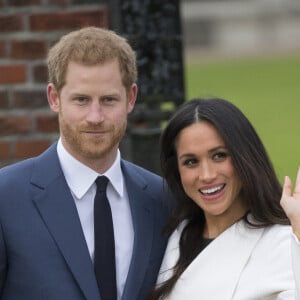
80, 178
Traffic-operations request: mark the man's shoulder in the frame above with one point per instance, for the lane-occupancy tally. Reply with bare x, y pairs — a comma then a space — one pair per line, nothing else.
16, 168
134, 168
19, 171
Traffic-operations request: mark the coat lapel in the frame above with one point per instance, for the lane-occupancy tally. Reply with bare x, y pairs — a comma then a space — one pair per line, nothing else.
142, 217
56, 206
215, 272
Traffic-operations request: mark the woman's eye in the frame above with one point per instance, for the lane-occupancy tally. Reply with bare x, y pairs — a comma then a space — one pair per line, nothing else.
220, 156
190, 162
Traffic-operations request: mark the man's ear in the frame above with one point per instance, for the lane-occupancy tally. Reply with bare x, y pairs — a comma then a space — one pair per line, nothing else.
53, 97
132, 94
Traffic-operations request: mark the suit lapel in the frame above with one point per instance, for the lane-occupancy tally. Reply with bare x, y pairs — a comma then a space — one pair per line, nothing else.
56, 206
142, 218
215, 272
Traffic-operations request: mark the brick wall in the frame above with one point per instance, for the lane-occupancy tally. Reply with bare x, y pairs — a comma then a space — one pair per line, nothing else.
27, 29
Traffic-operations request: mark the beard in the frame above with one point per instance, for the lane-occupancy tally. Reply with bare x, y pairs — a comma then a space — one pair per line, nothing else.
82, 145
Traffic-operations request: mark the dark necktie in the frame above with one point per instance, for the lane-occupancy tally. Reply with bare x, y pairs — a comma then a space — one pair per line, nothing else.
104, 259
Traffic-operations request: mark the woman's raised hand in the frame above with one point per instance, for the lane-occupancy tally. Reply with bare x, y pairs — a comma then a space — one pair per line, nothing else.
290, 202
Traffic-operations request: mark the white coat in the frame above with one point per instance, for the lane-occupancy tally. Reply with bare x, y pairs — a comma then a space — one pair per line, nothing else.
241, 264
296, 263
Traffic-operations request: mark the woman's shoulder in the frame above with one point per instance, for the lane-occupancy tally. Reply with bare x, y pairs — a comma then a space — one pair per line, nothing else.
271, 237
273, 229
278, 233
275, 239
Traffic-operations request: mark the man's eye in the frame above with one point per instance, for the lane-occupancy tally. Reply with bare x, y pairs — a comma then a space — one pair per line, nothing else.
81, 99
108, 100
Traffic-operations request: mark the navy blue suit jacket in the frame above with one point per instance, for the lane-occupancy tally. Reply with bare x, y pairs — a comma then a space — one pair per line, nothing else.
43, 253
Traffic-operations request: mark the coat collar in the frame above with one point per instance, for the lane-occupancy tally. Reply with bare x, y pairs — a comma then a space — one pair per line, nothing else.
143, 222
227, 254
56, 206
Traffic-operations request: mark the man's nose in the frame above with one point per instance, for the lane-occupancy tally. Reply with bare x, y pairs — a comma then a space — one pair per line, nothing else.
95, 113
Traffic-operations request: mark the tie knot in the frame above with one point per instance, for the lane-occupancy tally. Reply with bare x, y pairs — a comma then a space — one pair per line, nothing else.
101, 182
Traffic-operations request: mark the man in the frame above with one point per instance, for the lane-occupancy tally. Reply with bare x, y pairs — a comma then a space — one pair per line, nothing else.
47, 243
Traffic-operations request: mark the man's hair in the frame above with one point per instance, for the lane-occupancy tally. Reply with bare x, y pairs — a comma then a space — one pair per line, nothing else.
91, 46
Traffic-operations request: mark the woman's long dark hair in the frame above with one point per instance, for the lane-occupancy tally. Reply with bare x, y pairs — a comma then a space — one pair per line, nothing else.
260, 186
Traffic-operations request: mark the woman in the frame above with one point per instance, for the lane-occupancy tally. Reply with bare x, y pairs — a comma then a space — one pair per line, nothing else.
230, 237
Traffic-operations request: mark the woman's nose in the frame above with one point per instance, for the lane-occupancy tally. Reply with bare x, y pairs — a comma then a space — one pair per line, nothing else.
207, 172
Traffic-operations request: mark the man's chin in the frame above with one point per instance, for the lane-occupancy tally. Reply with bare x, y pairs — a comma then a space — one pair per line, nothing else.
95, 152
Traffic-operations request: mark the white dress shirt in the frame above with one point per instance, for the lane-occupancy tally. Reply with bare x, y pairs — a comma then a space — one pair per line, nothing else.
80, 180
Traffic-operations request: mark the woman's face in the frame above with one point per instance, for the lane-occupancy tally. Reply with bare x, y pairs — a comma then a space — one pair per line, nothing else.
207, 172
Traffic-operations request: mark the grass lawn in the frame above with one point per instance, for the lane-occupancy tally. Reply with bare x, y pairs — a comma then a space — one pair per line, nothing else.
267, 90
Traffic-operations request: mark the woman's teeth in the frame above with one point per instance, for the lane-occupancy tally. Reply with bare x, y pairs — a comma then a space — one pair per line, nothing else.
212, 190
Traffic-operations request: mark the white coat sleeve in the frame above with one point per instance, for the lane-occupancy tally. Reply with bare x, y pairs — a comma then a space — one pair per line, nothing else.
296, 263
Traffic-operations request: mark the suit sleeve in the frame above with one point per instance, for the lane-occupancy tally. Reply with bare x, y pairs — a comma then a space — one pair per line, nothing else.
3, 261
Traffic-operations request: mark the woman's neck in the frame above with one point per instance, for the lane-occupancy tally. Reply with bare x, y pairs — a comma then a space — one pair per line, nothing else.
215, 225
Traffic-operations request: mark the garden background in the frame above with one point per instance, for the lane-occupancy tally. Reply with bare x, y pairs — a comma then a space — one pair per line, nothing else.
266, 88
249, 53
